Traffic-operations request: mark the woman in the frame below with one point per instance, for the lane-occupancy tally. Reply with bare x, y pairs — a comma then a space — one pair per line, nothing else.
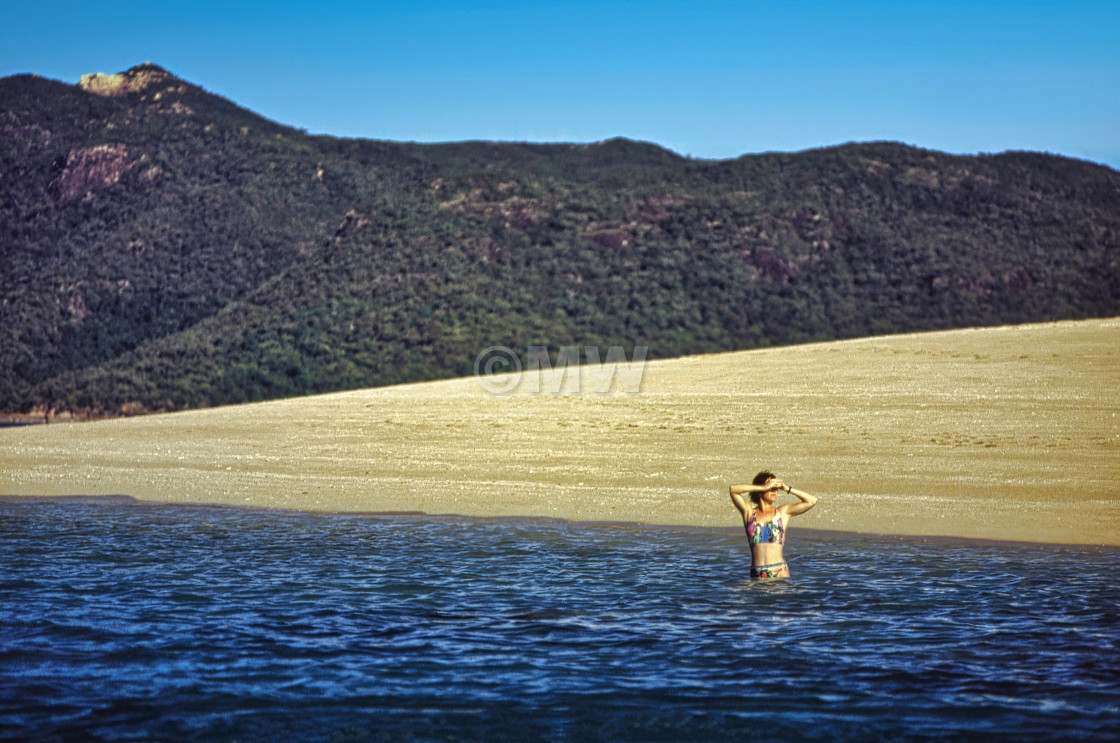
766, 523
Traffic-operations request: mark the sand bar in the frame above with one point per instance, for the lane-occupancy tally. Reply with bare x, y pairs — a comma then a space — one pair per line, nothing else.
999, 433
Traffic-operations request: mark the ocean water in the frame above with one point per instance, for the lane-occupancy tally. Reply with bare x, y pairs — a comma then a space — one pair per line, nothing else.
127, 622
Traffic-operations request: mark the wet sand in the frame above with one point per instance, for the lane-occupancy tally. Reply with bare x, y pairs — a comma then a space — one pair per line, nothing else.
999, 433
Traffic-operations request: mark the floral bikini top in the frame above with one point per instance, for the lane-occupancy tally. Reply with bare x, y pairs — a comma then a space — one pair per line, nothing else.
772, 531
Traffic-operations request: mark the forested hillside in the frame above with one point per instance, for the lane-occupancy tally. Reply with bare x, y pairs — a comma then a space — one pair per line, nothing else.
162, 248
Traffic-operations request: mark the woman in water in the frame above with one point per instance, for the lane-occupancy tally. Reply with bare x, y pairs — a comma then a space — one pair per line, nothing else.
766, 523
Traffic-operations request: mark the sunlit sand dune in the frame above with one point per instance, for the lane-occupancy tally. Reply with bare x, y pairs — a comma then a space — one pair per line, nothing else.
1005, 433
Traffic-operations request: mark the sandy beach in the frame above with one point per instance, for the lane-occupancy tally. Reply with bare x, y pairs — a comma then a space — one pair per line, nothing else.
1000, 433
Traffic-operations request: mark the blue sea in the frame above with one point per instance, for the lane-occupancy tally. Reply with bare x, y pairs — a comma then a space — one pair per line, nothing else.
122, 621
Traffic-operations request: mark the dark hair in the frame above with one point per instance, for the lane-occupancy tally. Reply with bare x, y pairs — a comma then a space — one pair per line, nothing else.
760, 479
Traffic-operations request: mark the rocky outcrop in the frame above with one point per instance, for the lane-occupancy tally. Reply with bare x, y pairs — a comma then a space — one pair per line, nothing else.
135, 80
91, 167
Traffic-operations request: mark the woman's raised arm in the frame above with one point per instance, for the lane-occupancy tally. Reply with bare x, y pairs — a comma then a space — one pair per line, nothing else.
807, 501
737, 493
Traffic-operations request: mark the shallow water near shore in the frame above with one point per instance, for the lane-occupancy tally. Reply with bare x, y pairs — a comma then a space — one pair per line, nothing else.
121, 621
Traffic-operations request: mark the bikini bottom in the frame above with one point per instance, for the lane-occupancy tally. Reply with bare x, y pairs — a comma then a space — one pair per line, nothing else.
768, 571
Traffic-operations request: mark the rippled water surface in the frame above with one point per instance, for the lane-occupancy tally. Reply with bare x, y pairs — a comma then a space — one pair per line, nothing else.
136, 622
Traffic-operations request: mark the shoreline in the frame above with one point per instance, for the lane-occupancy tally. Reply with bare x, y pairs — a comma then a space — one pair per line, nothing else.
1008, 433
732, 531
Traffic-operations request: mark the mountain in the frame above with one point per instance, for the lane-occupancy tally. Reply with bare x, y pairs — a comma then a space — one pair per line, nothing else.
164, 248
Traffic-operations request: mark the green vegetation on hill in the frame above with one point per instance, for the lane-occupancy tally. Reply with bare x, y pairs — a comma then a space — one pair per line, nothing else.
163, 248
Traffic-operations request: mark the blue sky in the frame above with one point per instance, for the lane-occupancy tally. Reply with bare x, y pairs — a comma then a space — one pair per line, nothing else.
706, 79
